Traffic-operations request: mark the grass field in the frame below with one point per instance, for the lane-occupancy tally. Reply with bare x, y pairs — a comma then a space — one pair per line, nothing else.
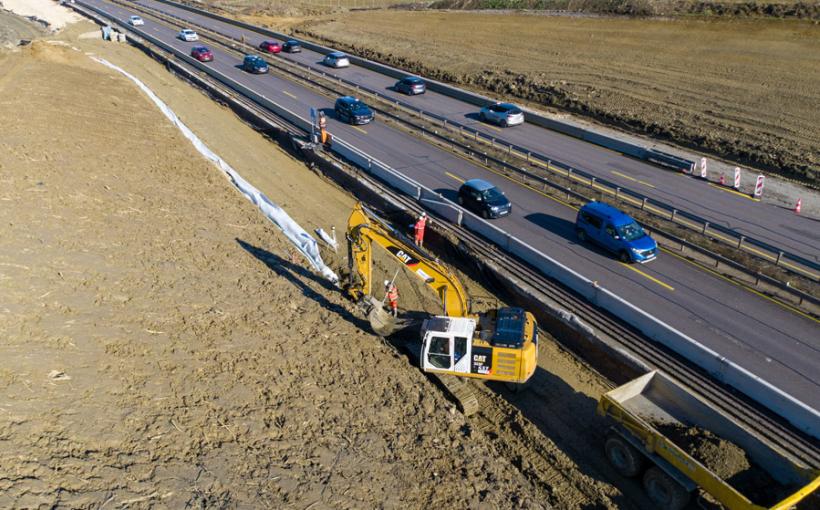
746, 89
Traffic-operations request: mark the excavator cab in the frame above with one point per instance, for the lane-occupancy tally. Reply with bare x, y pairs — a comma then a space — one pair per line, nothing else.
501, 345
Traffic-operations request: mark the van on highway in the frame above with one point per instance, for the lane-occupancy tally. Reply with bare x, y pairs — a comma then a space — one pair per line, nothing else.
615, 231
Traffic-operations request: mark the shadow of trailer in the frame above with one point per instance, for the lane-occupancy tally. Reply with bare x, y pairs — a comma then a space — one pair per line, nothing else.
677, 443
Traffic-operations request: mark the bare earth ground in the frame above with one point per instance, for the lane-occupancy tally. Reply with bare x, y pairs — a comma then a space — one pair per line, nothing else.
162, 347
13, 28
743, 89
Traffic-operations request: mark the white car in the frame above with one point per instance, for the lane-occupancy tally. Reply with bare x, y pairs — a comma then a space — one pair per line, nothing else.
188, 35
336, 59
135, 21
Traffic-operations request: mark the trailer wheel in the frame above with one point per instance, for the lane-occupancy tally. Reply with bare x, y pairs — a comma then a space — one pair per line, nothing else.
664, 491
623, 456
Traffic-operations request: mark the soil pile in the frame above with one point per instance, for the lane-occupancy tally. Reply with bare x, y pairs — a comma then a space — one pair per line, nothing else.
162, 344
728, 461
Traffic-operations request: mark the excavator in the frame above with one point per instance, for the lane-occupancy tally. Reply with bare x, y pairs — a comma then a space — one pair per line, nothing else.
499, 345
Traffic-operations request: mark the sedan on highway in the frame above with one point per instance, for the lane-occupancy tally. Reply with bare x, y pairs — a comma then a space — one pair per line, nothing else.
255, 64
188, 35
503, 114
202, 53
410, 85
351, 110
616, 232
270, 47
136, 21
292, 46
483, 198
336, 59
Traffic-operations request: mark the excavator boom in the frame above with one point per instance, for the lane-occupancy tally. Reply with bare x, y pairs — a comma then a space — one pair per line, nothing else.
365, 228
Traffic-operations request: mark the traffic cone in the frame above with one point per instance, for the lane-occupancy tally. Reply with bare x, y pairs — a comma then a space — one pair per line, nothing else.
722, 180
798, 206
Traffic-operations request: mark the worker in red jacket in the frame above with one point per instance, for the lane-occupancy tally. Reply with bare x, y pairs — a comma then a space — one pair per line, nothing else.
392, 296
418, 229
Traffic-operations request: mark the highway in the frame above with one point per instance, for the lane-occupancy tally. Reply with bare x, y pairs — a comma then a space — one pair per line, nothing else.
766, 222
777, 343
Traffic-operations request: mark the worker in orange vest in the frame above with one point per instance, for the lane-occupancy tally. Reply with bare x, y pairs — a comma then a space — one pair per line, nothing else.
418, 229
392, 295
324, 136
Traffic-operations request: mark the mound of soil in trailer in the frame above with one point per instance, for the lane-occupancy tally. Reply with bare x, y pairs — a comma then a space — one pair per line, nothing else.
728, 461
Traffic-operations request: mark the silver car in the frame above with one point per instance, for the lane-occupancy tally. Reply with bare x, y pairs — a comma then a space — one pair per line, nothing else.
503, 114
136, 21
336, 59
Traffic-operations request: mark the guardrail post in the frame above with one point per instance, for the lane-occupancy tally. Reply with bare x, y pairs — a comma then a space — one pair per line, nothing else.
705, 226
492, 143
370, 164
740, 241
528, 157
643, 203
779, 256
460, 217
476, 136
617, 193
674, 212
509, 152
569, 173
592, 182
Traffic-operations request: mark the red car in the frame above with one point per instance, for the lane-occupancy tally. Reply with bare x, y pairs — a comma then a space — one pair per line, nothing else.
270, 46
202, 54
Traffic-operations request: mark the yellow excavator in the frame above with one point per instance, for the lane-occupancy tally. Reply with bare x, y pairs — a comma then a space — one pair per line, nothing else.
499, 345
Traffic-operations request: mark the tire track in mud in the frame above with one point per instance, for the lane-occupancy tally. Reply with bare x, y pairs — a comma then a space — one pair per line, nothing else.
550, 470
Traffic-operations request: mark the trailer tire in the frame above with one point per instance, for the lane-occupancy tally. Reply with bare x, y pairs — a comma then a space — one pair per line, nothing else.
623, 456
664, 491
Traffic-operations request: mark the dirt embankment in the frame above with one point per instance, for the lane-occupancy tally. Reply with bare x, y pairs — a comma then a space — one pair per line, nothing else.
744, 90
162, 346
730, 8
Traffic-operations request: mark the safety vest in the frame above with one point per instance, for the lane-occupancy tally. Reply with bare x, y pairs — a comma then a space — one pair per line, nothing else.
393, 294
420, 226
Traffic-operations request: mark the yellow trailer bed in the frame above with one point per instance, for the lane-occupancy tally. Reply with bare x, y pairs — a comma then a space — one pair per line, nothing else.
642, 408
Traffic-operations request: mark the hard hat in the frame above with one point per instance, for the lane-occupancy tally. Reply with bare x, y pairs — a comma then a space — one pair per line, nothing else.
387, 283
423, 214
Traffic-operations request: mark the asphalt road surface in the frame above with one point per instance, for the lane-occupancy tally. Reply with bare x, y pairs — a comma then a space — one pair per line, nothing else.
767, 222
768, 339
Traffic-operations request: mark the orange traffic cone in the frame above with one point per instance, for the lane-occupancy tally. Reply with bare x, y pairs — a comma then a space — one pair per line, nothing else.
798, 206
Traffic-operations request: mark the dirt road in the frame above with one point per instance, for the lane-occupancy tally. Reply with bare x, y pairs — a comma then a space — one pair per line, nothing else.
742, 89
163, 346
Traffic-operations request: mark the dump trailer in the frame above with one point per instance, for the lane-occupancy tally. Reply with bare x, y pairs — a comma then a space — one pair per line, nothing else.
664, 433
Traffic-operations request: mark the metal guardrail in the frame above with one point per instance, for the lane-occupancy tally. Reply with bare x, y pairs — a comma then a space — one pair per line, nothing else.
721, 368
754, 247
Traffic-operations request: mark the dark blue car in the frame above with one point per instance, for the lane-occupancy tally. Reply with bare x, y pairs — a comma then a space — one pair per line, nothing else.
255, 64
616, 232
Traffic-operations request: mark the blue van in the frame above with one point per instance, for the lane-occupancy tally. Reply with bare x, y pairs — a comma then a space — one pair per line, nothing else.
615, 231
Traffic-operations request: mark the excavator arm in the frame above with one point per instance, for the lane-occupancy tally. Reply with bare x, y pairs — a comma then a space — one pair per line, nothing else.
365, 228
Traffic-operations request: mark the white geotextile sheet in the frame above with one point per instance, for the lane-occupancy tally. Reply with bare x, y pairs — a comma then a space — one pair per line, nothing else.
295, 233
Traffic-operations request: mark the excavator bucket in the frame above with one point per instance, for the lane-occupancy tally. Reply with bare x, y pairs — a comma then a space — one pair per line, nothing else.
383, 323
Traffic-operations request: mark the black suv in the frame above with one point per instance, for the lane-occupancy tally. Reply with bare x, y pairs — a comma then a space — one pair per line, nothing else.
483, 198
351, 110
255, 64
